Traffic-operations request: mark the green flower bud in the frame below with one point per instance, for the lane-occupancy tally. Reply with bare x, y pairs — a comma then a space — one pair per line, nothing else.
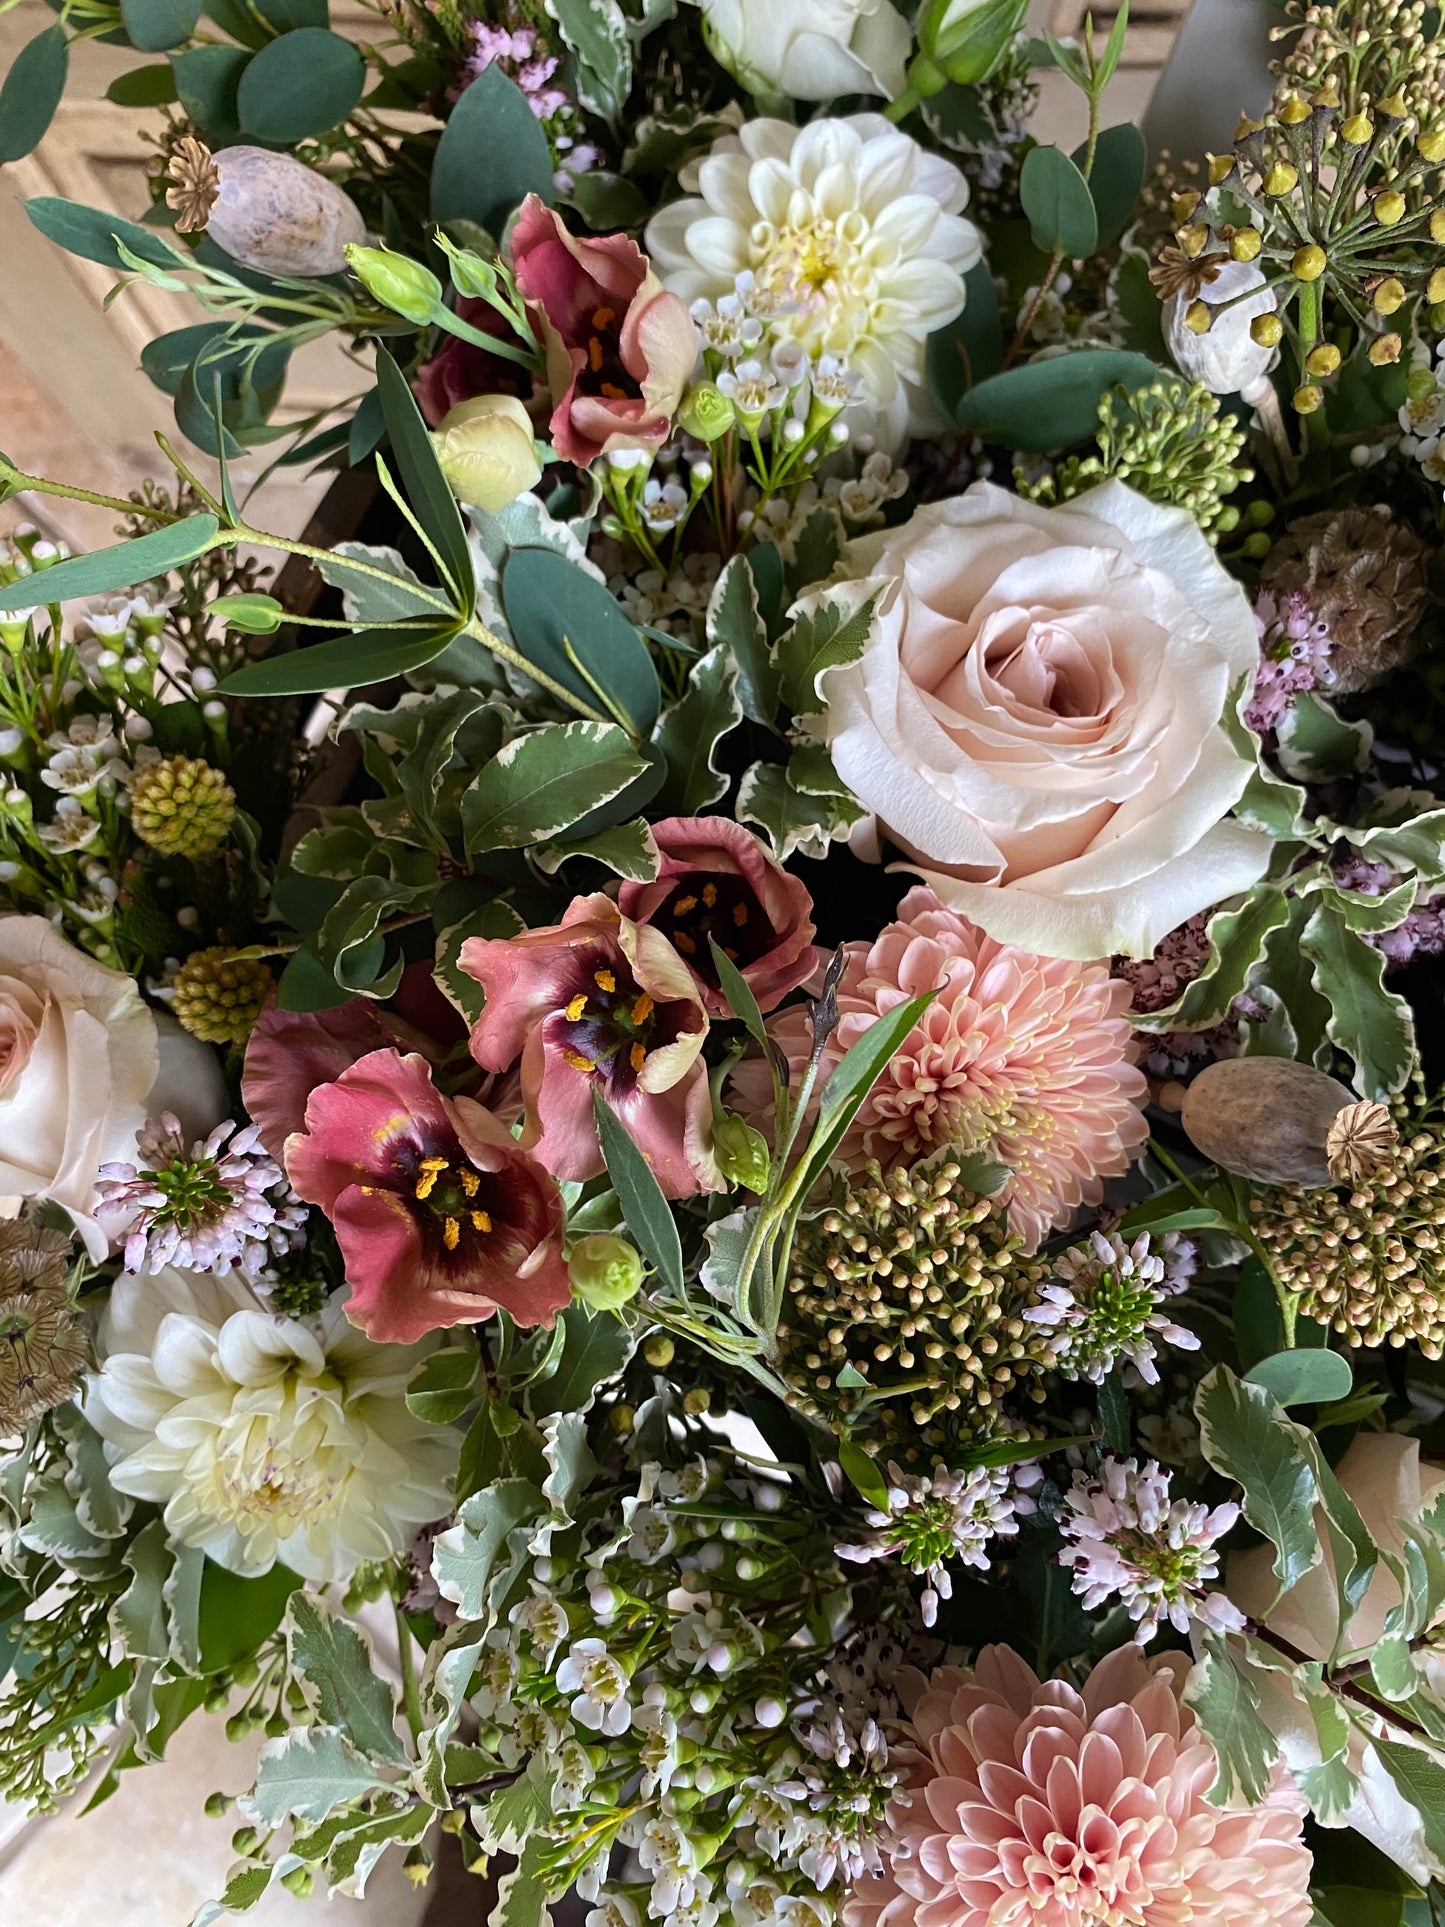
397, 282
966, 39
471, 275
606, 1271
742, 1153
706, 412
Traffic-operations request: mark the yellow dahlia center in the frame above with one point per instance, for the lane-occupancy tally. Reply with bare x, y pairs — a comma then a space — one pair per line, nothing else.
815, 276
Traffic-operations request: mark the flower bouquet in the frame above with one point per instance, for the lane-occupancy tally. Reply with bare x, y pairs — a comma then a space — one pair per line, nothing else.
761, 1069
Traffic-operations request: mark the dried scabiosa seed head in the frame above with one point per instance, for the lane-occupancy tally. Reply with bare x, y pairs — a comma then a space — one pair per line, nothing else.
42, 1344
1361, 1142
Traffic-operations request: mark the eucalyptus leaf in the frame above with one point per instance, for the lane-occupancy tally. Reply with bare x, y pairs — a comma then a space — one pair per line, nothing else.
427, 490
300, 84
349, 662
121, 566
648, 1213
1116, 177
491, 155
92, 234
1059, 206
155, 26
31, 92
571, 626
1051, 403
1308, 1376
153, 85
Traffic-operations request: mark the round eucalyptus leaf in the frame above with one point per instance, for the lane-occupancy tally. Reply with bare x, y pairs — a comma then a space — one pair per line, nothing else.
301, 84
1306, 1376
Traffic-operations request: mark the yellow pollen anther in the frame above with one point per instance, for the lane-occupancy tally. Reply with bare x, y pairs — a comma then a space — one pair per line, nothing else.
577, 1006
637, 1057
684, 943
684, 906
451, 1233
481, 1221
642, 1009
740, 914
469, 1181
594, 354
709, 894
604, 980
431, 1170
578, 1061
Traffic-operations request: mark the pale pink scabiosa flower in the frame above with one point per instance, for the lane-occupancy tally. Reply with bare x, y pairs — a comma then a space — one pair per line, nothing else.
1125, 1537
1031, 1804
1105, 1302
950, 1515
1026, 1059
220, 1204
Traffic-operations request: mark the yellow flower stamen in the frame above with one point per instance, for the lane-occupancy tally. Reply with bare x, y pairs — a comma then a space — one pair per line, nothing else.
431, 1170
684, 906
577, 1006
451, 1233
642, 1009
469, 1181
481, 1221
578, 1061
604, 980
637, 1057
709, 894
684, 943
740, 914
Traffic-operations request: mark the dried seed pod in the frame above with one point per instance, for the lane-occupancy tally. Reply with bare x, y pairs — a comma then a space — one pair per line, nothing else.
1265, 1118
278, 216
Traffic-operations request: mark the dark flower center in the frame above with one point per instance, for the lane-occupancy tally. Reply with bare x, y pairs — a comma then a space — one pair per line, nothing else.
724, 909
605, 374
612, 1024
461, 1204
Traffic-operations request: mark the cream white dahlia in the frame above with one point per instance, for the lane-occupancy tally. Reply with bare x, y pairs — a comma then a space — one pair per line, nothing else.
263, 1438
854, 239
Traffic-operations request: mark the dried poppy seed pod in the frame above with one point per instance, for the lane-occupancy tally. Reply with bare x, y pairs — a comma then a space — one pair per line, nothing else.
278, 216
1264, 1118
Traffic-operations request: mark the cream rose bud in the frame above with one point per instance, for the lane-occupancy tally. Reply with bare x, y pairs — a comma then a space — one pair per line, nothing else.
77, 1056
487, 451
1226, 357
1037, 715
809, 49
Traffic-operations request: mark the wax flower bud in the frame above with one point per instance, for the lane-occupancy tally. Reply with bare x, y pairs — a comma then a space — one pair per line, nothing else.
706, 413
487, 451
1309, 263
606, 1271
396, 281
742, 1153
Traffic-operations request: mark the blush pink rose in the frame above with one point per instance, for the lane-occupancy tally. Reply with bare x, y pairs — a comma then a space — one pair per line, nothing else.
441, 1217
717, 881
1037, 716
78, 1055
598, 1002
619, 347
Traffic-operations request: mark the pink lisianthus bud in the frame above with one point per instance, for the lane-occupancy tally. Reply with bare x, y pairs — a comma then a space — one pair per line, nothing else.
599, 1002
620, 349
441, 1216
717, 881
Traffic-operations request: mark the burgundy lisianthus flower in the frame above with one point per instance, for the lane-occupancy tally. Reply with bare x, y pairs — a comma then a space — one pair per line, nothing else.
619, 347
290, 1052
717, 881
441, 1217
460, 369
599, 1002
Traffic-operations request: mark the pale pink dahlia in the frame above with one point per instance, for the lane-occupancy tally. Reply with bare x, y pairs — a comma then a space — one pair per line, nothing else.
1028, 1804
1026, 1059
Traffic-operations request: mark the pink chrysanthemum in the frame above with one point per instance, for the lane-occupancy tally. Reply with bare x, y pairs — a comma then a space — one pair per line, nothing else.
1026, 1059
1031, 1805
